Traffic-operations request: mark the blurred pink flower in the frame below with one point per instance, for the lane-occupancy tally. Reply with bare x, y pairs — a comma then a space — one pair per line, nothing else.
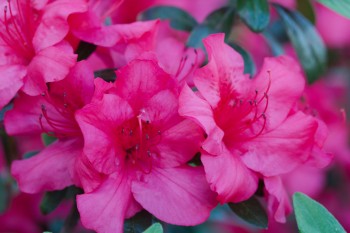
51, 113
136, 148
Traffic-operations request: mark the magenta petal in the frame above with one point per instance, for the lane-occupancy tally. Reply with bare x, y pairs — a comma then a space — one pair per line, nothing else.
11, 82
282, 149
275, 79
53, 26
78, 85
141, 78
179, 144
197, 109
229, 177
51, 169
224, 72
176, 195
278, 202
99, 130
49, 65
104, 209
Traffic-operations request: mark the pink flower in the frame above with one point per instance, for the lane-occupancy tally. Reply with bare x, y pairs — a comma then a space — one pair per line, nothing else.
251, 129
51, 113
33, 50
136, 148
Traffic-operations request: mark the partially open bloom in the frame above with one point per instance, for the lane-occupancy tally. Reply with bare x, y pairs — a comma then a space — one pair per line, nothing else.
136, 153
251, 129
51, 113
33, 50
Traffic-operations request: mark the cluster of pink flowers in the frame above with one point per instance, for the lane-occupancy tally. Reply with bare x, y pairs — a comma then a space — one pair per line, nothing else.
130, 144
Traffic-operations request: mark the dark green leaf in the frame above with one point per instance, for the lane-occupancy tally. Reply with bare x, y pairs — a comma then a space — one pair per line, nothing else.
251, 211
30, 154
155, 228
47, 139
198, 34
139, 223
10, 147
4, 195
52, 199
220, 20
306, 41
179, 19
254, 13
275, 46
108, 75
312, 217
4, 110
340, 6
84, 50
305, 7
249, 66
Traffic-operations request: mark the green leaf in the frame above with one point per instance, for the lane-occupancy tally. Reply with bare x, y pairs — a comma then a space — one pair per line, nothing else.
52, 199
4, 110
179, 19
4, 195
30, 154
249, 66
307, 42
155, 228
220, 20
254, 13
47, 139
108, 75
340, 6
84, 50
312, 217
305, 7
251, 211
138, 223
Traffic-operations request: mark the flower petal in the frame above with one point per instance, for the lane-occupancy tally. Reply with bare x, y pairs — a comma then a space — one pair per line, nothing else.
282, 149
104, 209
176, 195
141, 78
49, 65
51, 169
278, 202
275, 79
11, 82
99, 130
224, 72
229, 177
53, 26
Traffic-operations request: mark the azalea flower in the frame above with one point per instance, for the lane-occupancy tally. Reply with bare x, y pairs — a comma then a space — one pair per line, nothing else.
136, 153
252, 130
51, 113
32, 46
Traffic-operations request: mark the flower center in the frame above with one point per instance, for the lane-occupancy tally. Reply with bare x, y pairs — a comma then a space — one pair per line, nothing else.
242, 118
138, 139
16, 29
